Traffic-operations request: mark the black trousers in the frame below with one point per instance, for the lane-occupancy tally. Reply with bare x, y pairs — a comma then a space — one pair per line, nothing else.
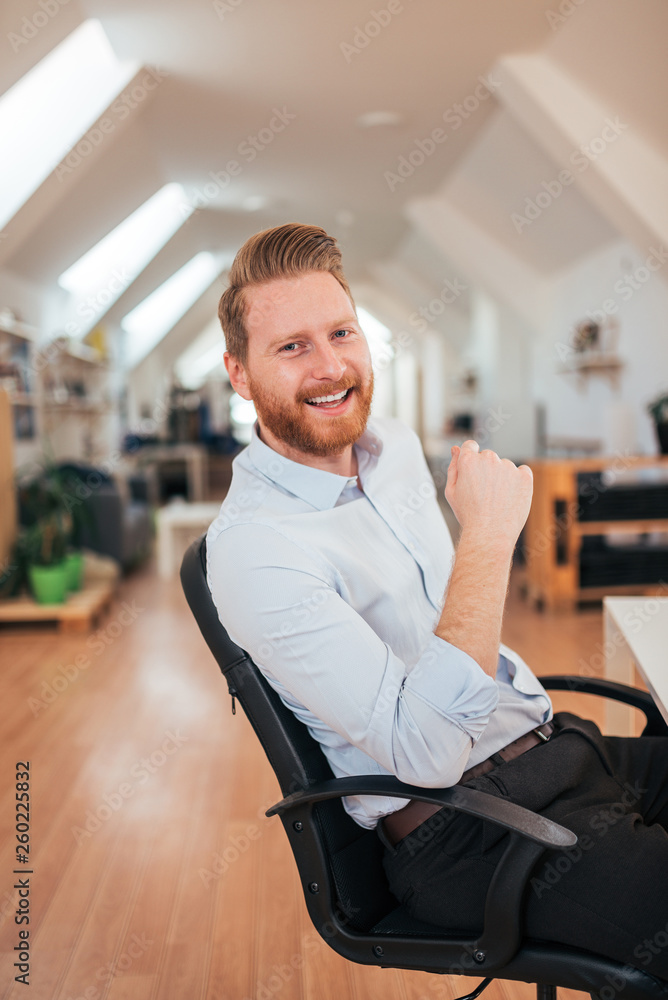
609, 894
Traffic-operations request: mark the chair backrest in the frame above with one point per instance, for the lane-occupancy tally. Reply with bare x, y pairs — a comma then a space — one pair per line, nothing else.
351, 855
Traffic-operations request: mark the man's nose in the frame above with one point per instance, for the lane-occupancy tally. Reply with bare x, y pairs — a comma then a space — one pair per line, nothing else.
328, 363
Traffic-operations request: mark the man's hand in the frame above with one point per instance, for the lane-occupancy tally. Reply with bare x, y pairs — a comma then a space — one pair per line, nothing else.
490, 496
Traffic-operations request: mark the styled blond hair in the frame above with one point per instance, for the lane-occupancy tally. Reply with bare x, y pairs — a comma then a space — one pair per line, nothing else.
282, 252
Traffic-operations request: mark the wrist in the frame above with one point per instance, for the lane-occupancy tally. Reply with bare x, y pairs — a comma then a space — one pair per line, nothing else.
490, 542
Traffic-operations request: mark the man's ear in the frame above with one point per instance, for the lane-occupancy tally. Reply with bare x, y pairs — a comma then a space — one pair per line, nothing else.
238, 377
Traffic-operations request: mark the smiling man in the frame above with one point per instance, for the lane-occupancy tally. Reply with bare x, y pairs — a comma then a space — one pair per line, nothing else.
308, 370
386, 644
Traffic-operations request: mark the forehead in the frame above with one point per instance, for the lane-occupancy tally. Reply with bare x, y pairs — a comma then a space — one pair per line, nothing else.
309, 302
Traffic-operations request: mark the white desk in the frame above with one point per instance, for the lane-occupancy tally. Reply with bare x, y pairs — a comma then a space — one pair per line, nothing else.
178, 525
635, 635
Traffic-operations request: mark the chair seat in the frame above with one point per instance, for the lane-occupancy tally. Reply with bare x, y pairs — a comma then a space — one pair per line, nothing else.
539, 961
399, 922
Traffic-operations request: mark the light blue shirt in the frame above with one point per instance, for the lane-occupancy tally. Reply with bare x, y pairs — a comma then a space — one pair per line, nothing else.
335, 593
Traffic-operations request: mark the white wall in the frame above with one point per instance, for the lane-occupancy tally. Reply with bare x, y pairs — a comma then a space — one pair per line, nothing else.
596, 408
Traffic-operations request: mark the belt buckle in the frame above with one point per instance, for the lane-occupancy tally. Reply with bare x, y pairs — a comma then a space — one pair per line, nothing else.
541, 735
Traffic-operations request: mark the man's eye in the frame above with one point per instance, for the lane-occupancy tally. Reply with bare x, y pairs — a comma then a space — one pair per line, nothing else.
287, 347
337, 332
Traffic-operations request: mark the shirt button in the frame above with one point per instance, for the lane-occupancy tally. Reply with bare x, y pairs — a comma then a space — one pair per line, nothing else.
411, 546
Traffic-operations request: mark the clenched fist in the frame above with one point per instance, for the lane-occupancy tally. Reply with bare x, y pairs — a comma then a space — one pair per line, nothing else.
489, 495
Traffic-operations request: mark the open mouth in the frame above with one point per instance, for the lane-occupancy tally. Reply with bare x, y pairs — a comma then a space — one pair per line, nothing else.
334, 401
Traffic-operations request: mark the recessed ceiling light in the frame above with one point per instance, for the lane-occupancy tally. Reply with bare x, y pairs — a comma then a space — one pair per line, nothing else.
374, 119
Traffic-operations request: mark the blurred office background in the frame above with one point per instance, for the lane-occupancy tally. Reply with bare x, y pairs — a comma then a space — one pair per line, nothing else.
496, 172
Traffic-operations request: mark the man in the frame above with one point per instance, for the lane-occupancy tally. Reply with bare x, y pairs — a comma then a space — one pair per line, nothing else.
329, 564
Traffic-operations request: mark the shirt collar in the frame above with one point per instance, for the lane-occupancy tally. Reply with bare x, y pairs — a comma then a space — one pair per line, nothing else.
319, 488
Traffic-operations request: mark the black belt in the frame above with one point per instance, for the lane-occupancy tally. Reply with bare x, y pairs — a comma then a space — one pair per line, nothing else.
399, 824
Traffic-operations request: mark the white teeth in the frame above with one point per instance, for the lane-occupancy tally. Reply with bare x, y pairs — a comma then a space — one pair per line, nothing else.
327, 399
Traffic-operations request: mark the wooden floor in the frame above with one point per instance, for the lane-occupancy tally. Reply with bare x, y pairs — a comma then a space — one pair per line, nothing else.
156, 874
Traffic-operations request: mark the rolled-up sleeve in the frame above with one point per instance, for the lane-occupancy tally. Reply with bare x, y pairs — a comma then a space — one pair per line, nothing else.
417, 720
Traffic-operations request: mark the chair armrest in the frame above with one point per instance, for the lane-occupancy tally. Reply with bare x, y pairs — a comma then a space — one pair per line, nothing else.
530, 835
507, 814
656, 725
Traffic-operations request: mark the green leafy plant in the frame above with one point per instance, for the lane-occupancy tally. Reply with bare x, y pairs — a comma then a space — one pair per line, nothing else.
48, 539
52, 519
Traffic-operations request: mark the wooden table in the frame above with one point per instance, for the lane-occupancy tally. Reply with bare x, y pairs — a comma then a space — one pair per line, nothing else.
635, 636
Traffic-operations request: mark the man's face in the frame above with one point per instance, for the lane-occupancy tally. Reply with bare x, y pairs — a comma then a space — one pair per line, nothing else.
304, 342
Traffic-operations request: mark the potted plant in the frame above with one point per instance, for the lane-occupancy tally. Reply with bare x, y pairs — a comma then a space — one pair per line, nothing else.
658, 410
51, 514
47, 565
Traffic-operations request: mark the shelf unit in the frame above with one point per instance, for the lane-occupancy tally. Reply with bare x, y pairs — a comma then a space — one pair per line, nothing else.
60, 390
605, 364
19, 379
558, 525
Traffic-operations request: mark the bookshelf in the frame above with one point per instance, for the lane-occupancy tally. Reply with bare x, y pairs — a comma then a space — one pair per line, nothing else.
597, 527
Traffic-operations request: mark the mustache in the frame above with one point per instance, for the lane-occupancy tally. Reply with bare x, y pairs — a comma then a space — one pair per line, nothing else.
328, 389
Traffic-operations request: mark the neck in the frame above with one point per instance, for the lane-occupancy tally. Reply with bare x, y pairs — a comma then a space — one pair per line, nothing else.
343, 463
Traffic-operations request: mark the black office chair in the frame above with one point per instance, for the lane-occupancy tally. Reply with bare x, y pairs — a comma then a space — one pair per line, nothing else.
340, 863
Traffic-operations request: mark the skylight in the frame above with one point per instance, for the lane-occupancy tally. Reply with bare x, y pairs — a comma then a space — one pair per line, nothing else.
98, 278
201, 357
45, 114
153, 318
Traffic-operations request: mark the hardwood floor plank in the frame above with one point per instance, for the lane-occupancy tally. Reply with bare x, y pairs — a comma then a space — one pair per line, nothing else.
98, 955
133, 988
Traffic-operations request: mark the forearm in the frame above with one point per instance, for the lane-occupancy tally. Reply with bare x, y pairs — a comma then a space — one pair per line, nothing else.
474, 602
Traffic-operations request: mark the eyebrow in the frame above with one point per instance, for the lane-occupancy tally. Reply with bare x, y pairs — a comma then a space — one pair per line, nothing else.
287, 338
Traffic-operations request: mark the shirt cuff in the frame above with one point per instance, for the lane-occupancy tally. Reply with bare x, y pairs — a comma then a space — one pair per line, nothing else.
448, 681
